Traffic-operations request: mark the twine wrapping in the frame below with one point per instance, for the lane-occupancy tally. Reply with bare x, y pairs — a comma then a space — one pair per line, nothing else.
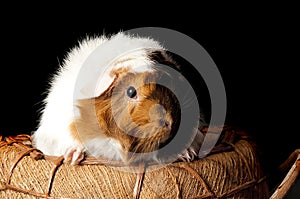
231, 170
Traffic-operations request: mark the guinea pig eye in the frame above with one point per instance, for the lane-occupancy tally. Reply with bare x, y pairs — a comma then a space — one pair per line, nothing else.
131, 92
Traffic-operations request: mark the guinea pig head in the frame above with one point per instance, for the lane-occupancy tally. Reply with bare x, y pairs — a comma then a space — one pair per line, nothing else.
138, 112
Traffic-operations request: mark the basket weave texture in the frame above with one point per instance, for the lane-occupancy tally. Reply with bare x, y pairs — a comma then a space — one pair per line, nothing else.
231, 170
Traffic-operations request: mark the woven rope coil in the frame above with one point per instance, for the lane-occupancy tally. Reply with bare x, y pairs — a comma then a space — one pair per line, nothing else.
231, 170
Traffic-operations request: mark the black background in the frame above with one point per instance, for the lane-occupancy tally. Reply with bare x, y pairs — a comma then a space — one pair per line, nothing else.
257, 58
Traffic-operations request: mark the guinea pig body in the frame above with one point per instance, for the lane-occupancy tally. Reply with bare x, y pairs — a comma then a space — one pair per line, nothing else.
125, 113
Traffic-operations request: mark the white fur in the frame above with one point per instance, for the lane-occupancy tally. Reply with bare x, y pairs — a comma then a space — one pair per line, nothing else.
86, 74
110, 148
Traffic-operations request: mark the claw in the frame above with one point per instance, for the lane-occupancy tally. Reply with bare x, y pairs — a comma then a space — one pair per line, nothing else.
187, 155
74, 155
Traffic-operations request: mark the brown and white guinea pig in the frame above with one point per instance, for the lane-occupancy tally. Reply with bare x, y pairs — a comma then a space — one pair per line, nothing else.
115, 109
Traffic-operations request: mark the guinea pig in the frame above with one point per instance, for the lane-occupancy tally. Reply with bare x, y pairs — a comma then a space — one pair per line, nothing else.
117, 112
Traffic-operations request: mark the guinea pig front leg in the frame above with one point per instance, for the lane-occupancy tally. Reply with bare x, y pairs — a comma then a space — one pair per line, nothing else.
74, 155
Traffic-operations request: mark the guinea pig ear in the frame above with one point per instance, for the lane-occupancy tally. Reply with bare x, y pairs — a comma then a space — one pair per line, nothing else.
105, 84
115, 74
119, 72
108, 91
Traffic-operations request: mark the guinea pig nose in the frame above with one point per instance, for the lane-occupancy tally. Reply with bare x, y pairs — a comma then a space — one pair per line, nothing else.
167, 124
158, 115
164, 123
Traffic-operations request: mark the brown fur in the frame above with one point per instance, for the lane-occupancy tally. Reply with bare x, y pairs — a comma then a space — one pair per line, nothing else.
149, 126
141, 122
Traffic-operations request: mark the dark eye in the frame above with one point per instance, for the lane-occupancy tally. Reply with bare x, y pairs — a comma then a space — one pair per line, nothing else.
131, 92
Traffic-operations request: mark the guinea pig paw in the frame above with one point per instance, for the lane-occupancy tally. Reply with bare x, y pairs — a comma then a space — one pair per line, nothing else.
187, 155
74, 155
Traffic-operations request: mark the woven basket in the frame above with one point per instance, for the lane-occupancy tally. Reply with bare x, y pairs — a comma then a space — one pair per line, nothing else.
231, 170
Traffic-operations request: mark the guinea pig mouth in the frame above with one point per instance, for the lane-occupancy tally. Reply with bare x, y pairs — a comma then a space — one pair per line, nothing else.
156, 130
